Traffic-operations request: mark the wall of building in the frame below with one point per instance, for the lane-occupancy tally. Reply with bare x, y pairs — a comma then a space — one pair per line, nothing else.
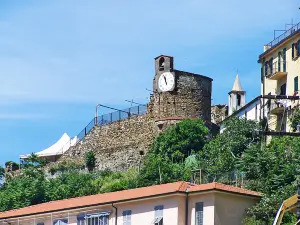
143, 211
219, 208
208, 208
252, 111
292, 67
231, 209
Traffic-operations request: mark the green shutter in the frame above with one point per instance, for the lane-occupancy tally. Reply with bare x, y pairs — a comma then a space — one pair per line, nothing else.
284, 59
296, 84
279, 61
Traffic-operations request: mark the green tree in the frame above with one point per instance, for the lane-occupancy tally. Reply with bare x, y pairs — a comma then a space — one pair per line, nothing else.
295, 119
181, 140
274, 171
220, 155
23, 190
69, 185
166, 160
90, 160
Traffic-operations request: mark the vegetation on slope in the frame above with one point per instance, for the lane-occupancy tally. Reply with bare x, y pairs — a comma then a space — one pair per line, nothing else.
234, 157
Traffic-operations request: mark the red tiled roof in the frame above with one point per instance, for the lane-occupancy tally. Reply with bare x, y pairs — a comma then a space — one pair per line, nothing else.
223, 187
119, 196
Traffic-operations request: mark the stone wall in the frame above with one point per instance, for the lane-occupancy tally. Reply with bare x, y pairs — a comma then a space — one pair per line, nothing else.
119, 145
190, 98
218, 113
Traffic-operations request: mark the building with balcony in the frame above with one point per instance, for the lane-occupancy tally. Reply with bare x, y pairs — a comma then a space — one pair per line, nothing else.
280, 69
179, 203
280, 64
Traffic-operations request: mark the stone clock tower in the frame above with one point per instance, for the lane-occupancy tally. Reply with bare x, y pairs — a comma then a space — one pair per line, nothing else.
179, 94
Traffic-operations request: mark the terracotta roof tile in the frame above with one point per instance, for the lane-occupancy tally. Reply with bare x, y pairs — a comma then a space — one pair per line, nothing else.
223, 187
125, 195
96, 199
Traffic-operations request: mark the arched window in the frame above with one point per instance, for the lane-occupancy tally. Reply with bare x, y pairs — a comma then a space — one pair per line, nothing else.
238, 97
162, 63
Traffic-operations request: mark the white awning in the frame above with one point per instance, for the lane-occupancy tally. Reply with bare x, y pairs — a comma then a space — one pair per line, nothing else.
60, 147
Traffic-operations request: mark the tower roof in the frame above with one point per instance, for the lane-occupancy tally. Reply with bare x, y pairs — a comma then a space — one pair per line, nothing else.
237, 84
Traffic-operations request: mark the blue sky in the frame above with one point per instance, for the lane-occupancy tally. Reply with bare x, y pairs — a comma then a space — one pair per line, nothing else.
58, 59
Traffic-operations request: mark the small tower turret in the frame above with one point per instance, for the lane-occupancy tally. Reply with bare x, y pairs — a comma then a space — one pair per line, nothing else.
237, 97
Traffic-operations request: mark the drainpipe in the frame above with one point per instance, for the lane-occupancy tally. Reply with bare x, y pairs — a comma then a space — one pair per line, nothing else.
187, 206
116, 211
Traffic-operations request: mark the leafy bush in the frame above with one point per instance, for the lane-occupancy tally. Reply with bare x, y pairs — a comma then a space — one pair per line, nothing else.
90, 160
295, 119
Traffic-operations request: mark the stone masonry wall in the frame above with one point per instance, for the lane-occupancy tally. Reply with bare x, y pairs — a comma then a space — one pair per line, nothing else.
218, 113
190, 98
118, 145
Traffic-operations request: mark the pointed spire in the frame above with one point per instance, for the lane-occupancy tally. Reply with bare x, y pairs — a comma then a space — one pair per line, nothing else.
237, 84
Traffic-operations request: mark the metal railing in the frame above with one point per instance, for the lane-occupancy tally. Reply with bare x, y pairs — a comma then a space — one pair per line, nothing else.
283, 36
276, 67
104, 120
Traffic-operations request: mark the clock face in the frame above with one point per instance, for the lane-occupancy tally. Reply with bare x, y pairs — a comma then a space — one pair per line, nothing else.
166, 81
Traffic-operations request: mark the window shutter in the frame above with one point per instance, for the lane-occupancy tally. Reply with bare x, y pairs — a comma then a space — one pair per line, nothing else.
266, 68
199, 213
298, 48
271, 65
279, 62
284, 59
296, 84
293, 50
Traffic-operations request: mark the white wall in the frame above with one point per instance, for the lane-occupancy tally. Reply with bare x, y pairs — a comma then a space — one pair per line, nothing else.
252, 112
208, 208
143, 211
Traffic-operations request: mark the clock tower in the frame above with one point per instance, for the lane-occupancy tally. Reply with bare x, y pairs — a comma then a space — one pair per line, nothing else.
179, 94
164, 72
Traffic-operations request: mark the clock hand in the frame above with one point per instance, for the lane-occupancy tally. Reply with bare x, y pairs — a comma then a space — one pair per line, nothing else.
165, 80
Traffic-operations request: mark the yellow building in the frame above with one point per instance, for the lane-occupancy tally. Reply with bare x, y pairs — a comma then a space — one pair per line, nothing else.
280, 70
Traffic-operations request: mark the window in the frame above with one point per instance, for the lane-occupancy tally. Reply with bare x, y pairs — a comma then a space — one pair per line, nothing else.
279, 62
298, 48
158, 216
80, 220
266, 68
283, 89
127, 217
284, 59
256, 112
293, 50
271, 65
199, 213
93, 219
238, 99
60, 222
296, 84
161, 63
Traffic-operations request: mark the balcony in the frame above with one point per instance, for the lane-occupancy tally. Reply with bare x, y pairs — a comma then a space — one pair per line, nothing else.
278, 71
278, 40
278, 107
